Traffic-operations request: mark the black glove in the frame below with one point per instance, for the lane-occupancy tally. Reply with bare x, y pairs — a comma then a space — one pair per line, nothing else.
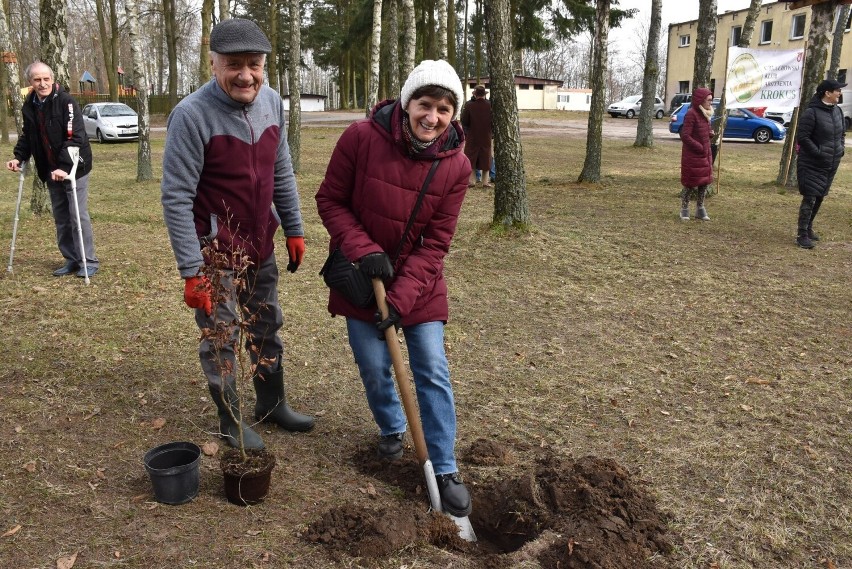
392, 320
377, 265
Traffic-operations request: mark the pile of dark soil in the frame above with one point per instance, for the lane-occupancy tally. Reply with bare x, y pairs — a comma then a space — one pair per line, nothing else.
587, 513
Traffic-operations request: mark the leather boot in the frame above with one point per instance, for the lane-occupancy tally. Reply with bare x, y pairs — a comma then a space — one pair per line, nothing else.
272, 404
805, 219
227, 427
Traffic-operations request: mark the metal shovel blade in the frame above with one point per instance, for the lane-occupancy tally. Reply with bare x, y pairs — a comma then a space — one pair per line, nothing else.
463, 524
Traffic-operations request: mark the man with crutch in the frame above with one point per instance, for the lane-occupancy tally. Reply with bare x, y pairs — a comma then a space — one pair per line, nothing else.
55, 137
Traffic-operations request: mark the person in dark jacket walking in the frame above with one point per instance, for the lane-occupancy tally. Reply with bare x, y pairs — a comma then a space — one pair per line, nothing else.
696, 159
52, 124
476, 120
228, 183
821, 139
370, 188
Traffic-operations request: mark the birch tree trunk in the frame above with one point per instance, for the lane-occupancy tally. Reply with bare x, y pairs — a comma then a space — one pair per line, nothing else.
594, 138
510, 189
375, 44
143, 155
204, 50
822, 17
272, 59
112, 70
10, 69
54, 39
393, 49
837, 42
441, 43
170, 16
294, 127
53, 30
452, 58
409, 39
224, 10
705, 44
748, 26
645, 130
465, 66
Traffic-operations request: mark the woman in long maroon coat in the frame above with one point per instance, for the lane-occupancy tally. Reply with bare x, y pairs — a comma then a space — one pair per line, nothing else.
696, 161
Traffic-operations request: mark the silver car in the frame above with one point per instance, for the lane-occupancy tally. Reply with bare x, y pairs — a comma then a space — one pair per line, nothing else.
629, 107
109, 122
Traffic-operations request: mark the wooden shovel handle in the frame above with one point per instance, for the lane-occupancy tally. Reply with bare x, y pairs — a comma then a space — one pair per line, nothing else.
408, 402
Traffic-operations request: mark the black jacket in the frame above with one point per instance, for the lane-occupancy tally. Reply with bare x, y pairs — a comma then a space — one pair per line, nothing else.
821, 138
52, 153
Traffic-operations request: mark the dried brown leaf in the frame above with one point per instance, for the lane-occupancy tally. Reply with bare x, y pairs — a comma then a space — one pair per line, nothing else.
30, 466
746, 408
210, 449
758, 380
158, 423
66, 562
12, 531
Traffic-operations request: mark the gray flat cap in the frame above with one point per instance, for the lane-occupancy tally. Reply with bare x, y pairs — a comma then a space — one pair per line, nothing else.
238, 36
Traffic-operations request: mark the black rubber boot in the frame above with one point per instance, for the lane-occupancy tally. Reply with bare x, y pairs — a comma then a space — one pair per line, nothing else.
455, 499
227, 427
812, 235
272, 404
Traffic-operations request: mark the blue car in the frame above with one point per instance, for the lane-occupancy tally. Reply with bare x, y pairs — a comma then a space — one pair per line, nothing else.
742, 123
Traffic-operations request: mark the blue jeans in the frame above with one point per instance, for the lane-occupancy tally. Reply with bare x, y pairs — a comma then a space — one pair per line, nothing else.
492, 172
431, 373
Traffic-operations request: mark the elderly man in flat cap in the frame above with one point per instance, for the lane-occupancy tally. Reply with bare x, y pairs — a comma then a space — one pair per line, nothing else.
227, 185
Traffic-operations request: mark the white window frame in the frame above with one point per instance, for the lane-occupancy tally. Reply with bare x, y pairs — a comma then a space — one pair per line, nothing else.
797, 18
763, 39
683, 41
736, 40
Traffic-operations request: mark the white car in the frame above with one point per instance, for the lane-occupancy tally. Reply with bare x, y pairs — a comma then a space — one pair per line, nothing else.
110, 122
779, 114
629, 107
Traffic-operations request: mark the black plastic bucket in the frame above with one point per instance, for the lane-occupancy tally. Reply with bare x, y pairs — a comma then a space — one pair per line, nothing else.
174, 472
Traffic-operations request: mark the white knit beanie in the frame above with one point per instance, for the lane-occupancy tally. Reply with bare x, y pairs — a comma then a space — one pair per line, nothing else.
433, 72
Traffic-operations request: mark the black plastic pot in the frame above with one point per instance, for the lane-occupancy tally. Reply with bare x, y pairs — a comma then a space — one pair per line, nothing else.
174, 471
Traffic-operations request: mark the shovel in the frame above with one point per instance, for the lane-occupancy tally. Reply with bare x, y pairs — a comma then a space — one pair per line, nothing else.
74, 152
23, 167
413, 416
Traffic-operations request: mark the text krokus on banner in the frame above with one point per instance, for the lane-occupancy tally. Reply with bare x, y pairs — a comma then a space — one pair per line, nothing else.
763, 78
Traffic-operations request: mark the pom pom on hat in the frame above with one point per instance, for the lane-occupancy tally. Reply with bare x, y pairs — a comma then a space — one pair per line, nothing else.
237, 35
433, 72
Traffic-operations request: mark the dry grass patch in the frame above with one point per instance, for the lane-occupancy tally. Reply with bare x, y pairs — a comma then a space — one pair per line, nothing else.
710, 359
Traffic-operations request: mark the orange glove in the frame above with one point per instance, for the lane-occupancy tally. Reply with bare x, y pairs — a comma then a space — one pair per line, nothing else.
296, 252
196, 294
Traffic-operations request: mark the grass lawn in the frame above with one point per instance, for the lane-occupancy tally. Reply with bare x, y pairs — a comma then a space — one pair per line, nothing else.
711, 360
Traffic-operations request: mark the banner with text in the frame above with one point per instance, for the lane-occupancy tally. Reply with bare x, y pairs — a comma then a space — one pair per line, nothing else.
763, 78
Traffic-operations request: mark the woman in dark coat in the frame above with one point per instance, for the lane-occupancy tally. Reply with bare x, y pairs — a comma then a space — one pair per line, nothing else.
821, 141
369, 192
696, 161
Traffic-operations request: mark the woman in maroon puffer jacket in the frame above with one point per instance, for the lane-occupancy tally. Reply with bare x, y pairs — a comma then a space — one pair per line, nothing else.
369, 192
696, 161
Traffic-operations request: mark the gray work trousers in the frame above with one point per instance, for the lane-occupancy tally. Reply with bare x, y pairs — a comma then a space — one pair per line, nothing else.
261, 310
65, 218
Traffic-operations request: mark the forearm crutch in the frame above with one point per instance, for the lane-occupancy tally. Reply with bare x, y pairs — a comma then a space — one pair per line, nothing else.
22, 167
74, 152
